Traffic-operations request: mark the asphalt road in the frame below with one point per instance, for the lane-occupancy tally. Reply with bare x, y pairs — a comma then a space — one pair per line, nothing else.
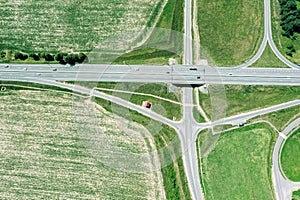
282, 186
162, 74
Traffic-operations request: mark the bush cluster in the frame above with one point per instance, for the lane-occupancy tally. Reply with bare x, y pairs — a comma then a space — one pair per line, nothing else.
290, 17
62, 58
290, 22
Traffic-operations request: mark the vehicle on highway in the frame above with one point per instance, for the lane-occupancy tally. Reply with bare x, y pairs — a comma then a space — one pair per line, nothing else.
25, 68
54, 70
6, 66
198, 77
230, 74
193, 68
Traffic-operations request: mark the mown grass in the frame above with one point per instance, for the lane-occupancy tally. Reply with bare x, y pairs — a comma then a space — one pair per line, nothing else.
175, 181
162, 107
296, 195
39, 26
268, 60
166, 41
239, 165
43, 156
281, 118
290, 157
242, 98
230, 31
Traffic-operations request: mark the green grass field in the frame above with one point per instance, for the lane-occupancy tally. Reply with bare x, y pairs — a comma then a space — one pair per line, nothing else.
290, 157
296, 195
52, 26
230, 31
44, 157
238, 167
242, 98
268, 60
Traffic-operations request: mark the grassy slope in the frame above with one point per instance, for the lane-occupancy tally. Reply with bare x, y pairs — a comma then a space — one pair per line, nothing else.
43, 157
268, 60
246, 98
296, 195
239, 165
290, 157
230, 31
163, 43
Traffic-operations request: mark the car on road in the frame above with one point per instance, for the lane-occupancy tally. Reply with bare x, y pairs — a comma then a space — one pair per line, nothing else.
54, 70
6, 66
193, 68
198, 77
25, 68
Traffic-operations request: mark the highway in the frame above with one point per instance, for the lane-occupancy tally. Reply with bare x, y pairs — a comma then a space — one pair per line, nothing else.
162, 74
186, 74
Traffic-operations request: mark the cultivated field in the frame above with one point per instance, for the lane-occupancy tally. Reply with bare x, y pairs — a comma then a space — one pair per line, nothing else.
230, 31
44, 157
242, 98
238, 166
290, 157
72, 25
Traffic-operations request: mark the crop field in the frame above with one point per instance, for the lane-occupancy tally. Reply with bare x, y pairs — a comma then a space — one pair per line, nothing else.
166, 40
175, 182
230, 31
71, 26
239, 165
243, 98
43, 156
290, 157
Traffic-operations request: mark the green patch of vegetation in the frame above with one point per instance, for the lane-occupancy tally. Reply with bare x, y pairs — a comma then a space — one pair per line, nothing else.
242, 98
281, 118
296, 195
230, 31
268, 60
286, 28
238, 165
290, 157
166, 40
197, 116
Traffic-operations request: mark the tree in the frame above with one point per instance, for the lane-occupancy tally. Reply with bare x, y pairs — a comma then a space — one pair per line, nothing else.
81, 57
19, 55
3, 54
49, 57
34, 56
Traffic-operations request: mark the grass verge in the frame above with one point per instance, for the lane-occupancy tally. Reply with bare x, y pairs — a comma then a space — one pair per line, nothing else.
230, 31
239, 165
290, 157
242, 98
280, 119
268, 60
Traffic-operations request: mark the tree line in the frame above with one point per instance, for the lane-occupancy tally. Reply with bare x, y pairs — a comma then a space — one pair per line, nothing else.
290, 22
62, 58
